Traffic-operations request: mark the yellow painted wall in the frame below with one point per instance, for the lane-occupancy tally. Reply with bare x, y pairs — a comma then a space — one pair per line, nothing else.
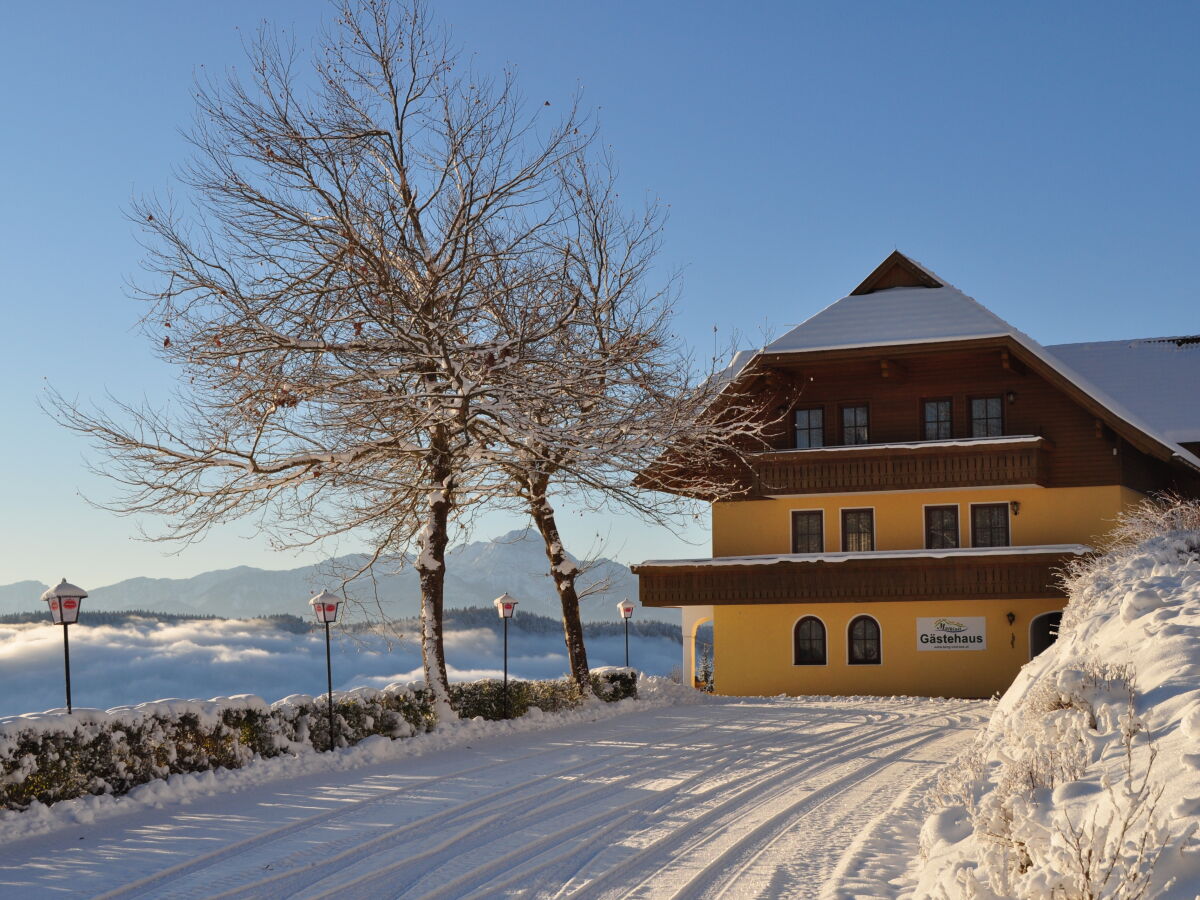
1076, 515
752, 653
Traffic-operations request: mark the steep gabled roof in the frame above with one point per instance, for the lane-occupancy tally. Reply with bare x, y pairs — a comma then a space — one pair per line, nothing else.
906, 315
895, 315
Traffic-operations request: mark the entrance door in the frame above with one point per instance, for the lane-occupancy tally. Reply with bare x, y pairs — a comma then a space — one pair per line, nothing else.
1043, 631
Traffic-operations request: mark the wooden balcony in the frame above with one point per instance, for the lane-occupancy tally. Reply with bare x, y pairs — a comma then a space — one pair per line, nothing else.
911, 466
1008, 573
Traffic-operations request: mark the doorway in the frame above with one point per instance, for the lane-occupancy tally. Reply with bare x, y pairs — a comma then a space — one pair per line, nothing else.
1043, 631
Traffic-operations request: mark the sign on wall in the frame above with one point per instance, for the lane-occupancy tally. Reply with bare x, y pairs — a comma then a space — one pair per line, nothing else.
952, 633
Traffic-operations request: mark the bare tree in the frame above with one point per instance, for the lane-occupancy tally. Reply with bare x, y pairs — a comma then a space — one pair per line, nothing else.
365, 264
614, 387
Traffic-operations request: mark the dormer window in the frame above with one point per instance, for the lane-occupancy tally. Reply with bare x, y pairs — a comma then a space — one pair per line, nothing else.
854, 424
987, 417
810, 428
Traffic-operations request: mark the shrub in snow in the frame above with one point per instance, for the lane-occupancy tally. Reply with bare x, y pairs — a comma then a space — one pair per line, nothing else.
486, 698
1083, 784
50, 757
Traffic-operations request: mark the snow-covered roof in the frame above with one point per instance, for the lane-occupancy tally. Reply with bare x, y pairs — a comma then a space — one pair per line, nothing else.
736, 363
869, 555
900, 315
917, 315
1157, 378
908, 445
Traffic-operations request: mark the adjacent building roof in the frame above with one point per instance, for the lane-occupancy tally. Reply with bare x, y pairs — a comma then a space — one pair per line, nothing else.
1158, 378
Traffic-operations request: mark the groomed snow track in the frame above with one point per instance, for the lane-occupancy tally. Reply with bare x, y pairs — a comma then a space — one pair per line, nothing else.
758, 798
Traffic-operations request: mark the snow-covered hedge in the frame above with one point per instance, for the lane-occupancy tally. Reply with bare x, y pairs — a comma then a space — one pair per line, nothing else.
1086, 783
56, 756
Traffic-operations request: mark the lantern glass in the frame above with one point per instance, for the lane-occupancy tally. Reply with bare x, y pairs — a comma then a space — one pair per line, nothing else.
505, 606
325, 606
626, 609
64, 602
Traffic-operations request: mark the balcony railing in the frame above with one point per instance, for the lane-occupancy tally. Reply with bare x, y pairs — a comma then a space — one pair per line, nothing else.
870, 578
909, 466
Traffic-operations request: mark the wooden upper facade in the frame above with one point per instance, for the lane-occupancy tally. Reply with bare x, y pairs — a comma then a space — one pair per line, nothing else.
1050, 435
846, 401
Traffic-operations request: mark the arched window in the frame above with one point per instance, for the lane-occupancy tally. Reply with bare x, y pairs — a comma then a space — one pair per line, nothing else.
808, 642
865, 645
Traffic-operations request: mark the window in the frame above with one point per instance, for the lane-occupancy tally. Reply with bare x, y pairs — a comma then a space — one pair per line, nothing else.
810, 428
858, 529
808, 531
989, 525
987, 417
938, 425
854, 425
808, 642
941, 527
864, 642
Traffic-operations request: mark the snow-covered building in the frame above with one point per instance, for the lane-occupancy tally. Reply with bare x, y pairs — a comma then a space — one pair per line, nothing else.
933, 469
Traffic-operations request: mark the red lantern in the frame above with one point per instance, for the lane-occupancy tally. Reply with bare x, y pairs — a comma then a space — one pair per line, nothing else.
64, 603
505, 606
325, 606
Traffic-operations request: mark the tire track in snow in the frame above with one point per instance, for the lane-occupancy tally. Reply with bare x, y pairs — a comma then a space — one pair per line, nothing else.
519, 865
718, 787
496, 801
712, 882
514, 811
642, 871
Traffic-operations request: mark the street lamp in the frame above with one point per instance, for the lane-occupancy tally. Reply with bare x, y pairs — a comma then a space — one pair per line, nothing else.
325, 605
506, 606
64, 610
626, 609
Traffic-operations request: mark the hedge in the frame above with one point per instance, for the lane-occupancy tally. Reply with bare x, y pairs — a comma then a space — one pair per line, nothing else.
57, 756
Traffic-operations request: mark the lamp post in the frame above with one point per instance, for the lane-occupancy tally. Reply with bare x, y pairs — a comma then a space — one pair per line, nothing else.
626, 609
64, 610
506, 606
325, 605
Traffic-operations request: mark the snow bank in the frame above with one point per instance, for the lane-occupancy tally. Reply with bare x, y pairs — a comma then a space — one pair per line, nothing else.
300, 759
1086, 783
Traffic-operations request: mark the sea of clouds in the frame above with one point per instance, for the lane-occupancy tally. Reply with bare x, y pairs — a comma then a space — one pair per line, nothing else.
150, 660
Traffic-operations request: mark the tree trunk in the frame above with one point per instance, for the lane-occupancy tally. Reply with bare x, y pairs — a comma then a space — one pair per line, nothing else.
563, 572
431, 570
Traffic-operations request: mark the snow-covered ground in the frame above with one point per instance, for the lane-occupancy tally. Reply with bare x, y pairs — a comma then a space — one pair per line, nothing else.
1086, 782
658, 797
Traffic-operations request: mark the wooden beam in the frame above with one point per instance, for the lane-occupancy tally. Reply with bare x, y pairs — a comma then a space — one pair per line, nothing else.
1010, 363
891, 369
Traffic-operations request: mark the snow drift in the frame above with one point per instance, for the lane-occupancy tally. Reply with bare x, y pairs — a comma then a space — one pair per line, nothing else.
1086, 783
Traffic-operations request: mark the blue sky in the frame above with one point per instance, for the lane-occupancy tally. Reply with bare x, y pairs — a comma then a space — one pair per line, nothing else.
1042, 157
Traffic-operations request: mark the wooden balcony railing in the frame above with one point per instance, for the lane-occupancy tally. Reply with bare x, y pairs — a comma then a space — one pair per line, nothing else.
1029, 576
893, 467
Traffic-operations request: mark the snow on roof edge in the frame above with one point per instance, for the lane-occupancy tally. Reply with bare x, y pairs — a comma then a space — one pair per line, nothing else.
773, 558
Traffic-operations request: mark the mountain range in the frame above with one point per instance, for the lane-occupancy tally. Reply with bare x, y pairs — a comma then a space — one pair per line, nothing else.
476, 573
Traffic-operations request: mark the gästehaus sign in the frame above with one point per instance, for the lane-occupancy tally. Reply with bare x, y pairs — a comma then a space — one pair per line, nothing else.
952, 633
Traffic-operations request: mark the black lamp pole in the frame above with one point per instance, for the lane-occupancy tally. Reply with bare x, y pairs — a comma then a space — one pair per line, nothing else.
67, 664
329, 682
325, 605
627, 643
505, 606
64, 602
